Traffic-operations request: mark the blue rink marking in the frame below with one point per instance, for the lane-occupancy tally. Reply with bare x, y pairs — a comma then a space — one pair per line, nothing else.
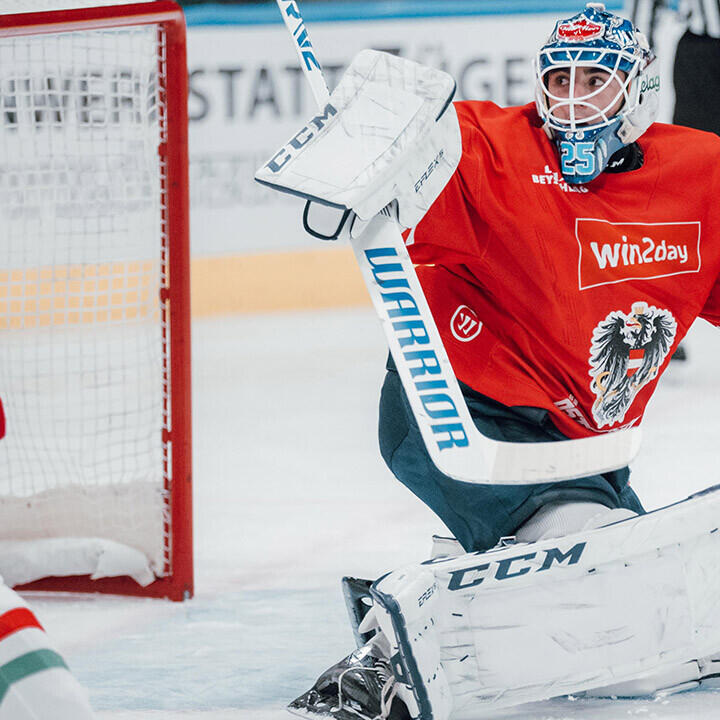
237, 650
216, 14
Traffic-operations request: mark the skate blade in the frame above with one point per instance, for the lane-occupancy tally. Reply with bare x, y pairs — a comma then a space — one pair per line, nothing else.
305, 713
299, 706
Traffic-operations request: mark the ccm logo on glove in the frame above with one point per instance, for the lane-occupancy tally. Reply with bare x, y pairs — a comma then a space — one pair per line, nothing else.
300, 139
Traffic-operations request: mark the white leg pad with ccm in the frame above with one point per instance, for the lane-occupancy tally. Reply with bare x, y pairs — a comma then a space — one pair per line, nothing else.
529, 621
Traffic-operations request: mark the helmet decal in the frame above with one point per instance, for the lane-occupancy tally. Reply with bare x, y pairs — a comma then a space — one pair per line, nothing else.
579, 30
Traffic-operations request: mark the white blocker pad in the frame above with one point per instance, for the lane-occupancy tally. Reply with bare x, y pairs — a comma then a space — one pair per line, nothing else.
532, 621
389, 131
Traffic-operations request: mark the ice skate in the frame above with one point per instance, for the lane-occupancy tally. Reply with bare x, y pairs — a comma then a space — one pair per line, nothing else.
359, 687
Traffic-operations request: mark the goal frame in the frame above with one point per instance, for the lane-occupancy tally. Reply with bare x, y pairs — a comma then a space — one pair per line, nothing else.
178, 584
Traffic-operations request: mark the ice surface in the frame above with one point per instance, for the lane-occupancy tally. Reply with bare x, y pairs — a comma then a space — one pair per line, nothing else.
290, 494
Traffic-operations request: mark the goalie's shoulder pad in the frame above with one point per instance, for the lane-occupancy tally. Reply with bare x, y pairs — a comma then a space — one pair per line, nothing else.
389, 131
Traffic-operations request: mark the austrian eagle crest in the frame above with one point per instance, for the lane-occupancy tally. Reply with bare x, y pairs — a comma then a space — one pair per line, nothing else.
626, 353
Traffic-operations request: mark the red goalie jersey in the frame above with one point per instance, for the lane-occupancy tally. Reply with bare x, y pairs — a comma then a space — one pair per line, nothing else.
570, 298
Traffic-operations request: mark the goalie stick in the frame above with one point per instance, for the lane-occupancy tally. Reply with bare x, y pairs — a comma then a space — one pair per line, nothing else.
455, 445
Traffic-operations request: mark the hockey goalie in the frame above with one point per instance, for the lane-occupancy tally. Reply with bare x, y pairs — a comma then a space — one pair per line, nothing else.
564, 247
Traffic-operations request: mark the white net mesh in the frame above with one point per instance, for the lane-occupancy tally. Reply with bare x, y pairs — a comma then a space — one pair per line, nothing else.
81, 356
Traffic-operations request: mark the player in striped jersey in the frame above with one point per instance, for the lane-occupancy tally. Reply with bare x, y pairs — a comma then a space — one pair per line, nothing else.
696, 73
35, 682
696, 70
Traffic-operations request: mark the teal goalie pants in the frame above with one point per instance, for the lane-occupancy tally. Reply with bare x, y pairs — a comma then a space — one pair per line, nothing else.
479, 515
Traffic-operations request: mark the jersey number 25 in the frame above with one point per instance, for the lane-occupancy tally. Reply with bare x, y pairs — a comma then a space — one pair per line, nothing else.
577, 158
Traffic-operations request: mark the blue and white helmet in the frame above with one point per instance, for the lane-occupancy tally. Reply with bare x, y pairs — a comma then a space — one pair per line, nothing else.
588, 135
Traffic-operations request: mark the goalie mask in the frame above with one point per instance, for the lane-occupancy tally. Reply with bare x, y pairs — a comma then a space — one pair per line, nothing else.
597, 87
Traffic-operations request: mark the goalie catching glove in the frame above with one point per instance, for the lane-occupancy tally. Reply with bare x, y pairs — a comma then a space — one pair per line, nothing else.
389, 134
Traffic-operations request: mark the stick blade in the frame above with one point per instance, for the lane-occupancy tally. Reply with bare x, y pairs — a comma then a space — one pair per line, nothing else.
486, 461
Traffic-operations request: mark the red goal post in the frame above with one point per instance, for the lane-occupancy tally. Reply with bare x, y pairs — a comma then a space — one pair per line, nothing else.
95, 468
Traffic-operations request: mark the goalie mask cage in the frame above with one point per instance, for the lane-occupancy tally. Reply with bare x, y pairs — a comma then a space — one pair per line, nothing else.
95, 466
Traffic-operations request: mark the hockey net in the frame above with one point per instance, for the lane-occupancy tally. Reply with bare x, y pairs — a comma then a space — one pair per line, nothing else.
94, 298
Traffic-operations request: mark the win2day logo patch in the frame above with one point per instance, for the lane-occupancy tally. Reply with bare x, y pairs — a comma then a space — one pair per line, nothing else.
616, 252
